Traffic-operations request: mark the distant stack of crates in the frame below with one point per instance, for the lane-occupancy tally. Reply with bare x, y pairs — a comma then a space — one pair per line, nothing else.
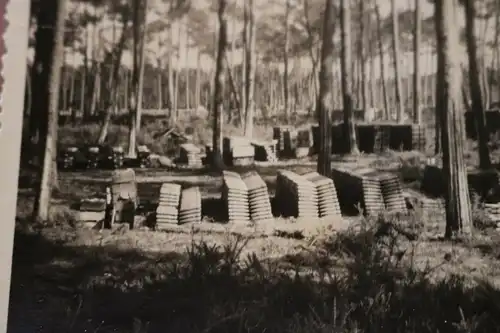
265, 151
419, 141
238, 151
492, 120
376, 137
190, 154
484, 183
286, 138
382, 138
304, 143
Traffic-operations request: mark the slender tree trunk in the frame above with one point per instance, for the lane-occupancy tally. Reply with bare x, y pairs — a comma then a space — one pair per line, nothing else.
159, 82
325, 99
417, 112
54, 13
171, 97
217, 162
142, 63
114, 81
363, 60
383, 78
186, 68
159, 76
64, 84
72, 97
198, 78
134, 86
497, 46
475, 85
251, 68
286, 58
494, 85
314, 59
397, 62
244, 79
178, 70
458, 210
346, 64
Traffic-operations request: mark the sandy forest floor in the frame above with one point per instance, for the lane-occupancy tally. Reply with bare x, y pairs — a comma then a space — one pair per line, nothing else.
339, 275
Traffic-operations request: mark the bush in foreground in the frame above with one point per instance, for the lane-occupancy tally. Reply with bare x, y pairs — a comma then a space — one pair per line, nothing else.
364, 280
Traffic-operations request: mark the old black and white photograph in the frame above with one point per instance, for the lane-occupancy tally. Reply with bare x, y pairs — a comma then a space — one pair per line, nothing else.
258, 166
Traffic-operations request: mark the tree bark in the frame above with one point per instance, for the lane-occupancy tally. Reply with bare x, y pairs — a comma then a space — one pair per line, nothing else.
417, 112
134, 85
325, 99
362, 56
286, 58
346, 69
244, 79
113, 82
171, 97
475, 85
396, 58
251, 68
383, 78
220, 80
142, 63
458, 210
54, 14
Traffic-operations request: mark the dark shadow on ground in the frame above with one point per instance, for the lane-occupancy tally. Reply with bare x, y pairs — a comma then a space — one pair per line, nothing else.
57, 288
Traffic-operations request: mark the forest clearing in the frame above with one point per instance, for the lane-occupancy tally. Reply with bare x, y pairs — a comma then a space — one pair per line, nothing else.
259, 166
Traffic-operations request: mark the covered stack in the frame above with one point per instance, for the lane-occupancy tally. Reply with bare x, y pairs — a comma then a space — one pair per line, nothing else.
167, 211
190, 206
238, 151
264, 151
190, 154
91, 209
258, 196
392, 193
297, 195
235, 198
328, 202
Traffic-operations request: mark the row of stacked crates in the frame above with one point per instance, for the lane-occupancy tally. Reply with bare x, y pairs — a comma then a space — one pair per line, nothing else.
310, 195
371, 190
492, 121
376, 138
484, 183
291, 142
245, 197
177, 205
